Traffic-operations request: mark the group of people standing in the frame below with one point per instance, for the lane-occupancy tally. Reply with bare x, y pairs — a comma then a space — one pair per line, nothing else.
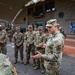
46, 52
34, 41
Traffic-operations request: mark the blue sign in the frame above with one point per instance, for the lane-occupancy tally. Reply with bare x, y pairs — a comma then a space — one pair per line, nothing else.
72, 27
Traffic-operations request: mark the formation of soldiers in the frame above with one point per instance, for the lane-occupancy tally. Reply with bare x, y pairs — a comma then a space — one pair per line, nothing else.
37, 43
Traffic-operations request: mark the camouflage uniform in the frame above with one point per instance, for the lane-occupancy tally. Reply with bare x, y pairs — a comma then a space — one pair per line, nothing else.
53, 53
40, 39
6, 67
18, 40
9, 35
29, 39
3, 38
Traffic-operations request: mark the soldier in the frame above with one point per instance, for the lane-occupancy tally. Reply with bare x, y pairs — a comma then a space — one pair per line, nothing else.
39, 41
29, 38
6, 68
3, 38
53, 50
18, 41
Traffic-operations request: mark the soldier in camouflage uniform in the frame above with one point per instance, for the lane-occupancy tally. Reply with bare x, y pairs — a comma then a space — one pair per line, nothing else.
40, 39
3, 38
29, 40
6, 68
53, 50
18, 41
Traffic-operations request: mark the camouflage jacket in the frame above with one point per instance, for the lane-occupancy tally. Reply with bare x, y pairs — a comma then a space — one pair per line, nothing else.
54, 47
3, 35
18, 38
29, 37
6, 68
40, 39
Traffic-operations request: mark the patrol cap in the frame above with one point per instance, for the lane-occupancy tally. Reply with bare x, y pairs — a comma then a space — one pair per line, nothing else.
40, 28
30, 26
51, 22
17, 28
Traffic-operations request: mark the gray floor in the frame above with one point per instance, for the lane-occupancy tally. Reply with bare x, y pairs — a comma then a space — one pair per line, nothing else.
67, 66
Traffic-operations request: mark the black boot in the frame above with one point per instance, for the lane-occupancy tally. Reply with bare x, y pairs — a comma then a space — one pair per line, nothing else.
15, 61
36, 67
26, 62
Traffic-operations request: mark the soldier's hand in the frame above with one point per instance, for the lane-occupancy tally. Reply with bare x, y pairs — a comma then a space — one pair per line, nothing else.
17, 45
39, 55
2, 42
27, 44
43, 45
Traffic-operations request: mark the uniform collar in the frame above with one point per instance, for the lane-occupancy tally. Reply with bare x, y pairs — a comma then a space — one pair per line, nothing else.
56, 33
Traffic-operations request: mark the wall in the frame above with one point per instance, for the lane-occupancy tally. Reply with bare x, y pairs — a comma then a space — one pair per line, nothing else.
66, 6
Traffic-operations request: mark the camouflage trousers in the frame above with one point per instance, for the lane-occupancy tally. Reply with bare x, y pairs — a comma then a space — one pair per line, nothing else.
3, 49
28, 50
40, 61
20, 48
52, 68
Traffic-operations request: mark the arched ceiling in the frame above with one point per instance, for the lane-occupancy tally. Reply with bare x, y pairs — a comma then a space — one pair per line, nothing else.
9, 8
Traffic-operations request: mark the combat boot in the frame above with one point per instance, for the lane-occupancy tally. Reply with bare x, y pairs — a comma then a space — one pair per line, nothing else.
15, 61
34, 63
36, 67
22, 62
42, 71
27, 62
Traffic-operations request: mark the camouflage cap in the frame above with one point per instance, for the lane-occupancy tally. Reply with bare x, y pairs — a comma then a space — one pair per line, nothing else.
40, 28
51, 22
17, 28
30, 26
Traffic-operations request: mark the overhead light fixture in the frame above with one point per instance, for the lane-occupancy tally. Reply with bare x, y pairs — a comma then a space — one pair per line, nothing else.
29, 3
35, 1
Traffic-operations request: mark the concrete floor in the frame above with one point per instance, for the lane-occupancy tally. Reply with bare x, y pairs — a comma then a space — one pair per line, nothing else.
67, 66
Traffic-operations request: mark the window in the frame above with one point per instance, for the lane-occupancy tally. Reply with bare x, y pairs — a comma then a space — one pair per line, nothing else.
50, 6
38, 23
38, 11
30, 23
30, 10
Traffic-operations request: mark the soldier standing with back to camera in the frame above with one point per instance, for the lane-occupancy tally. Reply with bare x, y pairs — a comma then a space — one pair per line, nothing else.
39, 41
53, 50
29, 38
3, 39
18, 41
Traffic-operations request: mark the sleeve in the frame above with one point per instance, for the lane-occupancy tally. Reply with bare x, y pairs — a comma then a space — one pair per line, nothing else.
14, 40
25, 37
22, 39
34, 36
49, 57
35, 40
4, 36
44, 38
